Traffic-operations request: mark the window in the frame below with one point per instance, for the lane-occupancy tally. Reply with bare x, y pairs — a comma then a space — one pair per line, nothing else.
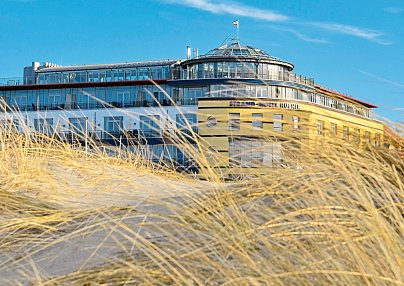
345, 133
247, 152
377, 140
177, 96
10, 125
144, 73
150, 125
277, 92
54, 100
191, 95
333, 129
295, 120
367, 137
44, 125
211, 122
78, 125
278, 125
186, 123
234, 121
277, 154
257, 156
113, 126
357, 135
312, 97
122, 98
257, 120
320, 128
235, 149
21, 100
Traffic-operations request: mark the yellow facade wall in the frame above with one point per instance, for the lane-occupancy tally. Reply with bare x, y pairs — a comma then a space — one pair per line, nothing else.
309, 116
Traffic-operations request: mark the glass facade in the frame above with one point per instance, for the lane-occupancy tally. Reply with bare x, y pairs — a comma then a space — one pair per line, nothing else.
99, 97
236, 69
104, 75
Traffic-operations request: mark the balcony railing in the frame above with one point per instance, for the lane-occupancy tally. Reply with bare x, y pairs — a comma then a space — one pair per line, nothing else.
13, 81
280, 76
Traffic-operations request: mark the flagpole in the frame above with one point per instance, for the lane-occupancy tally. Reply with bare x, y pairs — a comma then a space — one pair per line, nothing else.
236, 23
238, 32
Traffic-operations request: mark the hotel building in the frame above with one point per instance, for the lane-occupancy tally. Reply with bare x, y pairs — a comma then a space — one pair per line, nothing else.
238, 99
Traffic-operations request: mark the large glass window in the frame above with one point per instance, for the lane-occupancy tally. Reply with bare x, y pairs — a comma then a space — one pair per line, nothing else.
20, 100
187, 123
150, 125
177, 95
143, 73
55, 99
78, 126
265, 72
44, 125
133, 74
225, 70
141, 99
191, 95
262, 91
113, 126
246, 152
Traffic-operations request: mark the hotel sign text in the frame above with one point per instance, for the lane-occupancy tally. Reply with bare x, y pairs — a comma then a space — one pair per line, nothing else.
264, 104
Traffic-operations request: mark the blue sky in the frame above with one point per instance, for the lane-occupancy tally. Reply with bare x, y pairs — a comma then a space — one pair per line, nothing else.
354, 47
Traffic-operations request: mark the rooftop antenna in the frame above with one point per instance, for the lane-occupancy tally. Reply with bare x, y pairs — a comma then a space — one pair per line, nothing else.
236, 24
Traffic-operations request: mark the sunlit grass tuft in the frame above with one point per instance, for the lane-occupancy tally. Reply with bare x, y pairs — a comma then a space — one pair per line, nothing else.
71, 217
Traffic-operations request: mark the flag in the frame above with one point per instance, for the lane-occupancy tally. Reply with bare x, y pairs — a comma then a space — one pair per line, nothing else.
235, 23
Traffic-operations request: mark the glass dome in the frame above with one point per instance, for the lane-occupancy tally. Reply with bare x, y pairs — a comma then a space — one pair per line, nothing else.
236, 50
230, 54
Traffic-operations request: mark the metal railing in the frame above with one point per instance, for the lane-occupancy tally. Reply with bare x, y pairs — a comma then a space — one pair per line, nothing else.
281, 76
13, 81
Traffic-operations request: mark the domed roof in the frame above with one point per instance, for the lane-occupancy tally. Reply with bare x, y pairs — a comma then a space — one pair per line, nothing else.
236, 50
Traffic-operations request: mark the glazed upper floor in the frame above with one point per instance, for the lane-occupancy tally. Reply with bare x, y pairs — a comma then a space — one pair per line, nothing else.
86, 96
227, 61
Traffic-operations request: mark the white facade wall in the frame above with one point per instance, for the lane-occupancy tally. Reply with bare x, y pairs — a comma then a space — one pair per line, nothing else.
96, 117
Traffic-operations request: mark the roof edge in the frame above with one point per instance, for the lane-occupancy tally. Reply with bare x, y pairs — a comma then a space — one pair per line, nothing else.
367, 104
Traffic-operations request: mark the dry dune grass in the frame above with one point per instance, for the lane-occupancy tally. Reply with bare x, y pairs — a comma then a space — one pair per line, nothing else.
67, 218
